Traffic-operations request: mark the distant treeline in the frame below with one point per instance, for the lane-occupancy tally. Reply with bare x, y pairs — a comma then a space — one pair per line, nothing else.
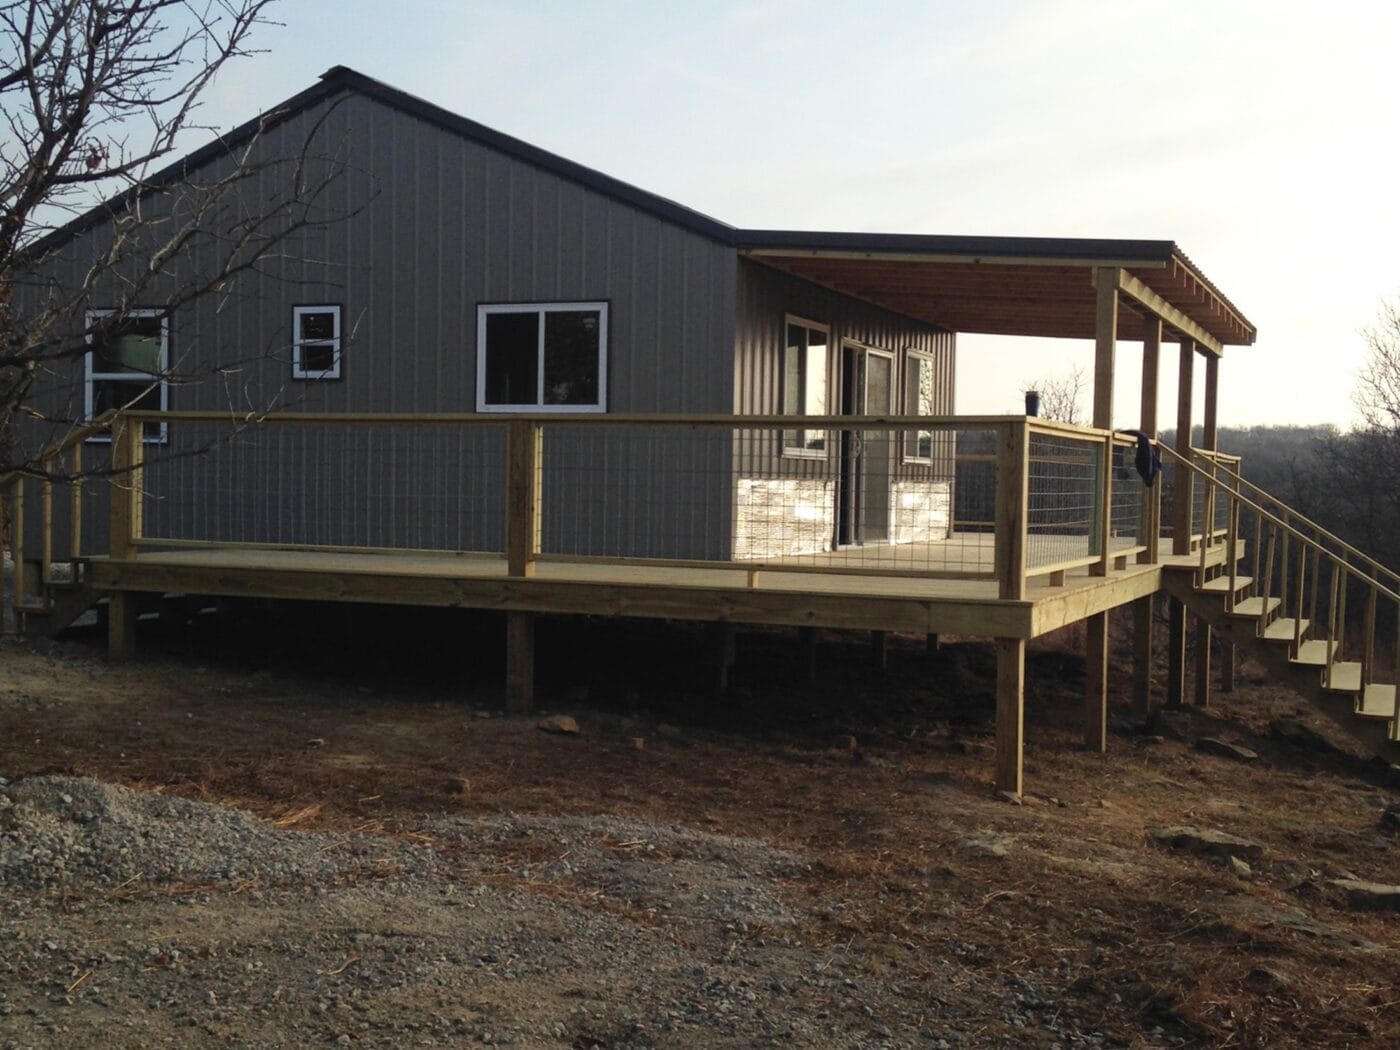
1349, 483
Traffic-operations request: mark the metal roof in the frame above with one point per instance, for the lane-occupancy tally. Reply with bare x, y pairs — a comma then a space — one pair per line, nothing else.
1000, 285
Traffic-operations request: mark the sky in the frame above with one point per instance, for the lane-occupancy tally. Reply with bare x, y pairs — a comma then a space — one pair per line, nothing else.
1260, 137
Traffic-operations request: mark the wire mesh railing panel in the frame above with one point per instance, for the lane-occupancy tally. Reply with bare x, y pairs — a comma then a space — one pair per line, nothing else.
634, 491
1064, 494
398, 486
818, 498
1127, 500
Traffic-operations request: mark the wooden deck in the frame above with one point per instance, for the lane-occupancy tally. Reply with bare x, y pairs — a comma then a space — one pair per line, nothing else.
799, 594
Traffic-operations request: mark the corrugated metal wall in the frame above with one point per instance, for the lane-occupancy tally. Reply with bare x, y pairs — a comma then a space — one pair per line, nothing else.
766, 297
439, 225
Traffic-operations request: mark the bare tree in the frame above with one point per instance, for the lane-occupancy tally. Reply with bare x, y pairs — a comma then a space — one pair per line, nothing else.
93, 95
1062, 396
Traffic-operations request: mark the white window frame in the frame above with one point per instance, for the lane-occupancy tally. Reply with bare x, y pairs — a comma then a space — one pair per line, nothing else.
485, 310
91, 376
926, 359
298, 371
801, 451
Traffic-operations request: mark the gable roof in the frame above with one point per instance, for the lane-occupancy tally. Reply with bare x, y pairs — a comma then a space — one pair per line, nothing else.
866, 259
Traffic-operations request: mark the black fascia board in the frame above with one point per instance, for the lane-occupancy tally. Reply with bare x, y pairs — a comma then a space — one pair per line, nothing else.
1068, 248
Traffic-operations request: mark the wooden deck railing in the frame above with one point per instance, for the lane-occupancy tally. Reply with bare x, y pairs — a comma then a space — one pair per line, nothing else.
1055, 497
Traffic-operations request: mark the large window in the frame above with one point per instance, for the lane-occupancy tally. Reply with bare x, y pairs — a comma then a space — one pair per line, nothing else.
127, 364
806, 366
542, 357
316, 342
918, 401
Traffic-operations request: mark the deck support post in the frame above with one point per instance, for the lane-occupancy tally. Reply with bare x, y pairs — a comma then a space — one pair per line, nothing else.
807, 641
1011, 713
1142, 655
122, 612
520, 662
1176, 653
721, 653
1227, 667
1096, 682
931, 643
880, 650
1203, 633
1181, 490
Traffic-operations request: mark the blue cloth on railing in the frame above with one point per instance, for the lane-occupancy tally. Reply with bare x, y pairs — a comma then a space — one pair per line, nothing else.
1148, 462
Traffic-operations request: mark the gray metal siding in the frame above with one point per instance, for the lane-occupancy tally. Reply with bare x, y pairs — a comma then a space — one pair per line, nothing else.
441, 224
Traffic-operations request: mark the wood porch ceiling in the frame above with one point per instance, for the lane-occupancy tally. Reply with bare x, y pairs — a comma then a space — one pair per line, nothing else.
1046, 296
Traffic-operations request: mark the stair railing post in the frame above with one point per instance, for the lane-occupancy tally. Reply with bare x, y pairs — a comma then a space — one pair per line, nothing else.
1232, 538
75, 521
1368, 636
1266, 592
124, 522
1258, 554
1333, 647
1300, 589
17, 546
46, 525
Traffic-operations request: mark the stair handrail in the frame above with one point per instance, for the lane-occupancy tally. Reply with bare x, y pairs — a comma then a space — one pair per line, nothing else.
78, 434
1351, 570
1324, 533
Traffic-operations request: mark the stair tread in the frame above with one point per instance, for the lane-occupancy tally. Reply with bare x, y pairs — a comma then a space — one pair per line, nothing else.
1345, 678
1254, 606
1282, 630
1378, 701
1221, 584
1316, 652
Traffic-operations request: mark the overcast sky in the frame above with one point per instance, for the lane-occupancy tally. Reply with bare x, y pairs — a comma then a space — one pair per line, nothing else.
1261, 137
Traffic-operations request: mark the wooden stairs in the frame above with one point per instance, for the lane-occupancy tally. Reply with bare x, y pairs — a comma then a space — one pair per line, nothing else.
1286, 603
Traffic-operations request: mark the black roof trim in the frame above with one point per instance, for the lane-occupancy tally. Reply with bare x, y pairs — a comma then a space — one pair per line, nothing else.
1068, 248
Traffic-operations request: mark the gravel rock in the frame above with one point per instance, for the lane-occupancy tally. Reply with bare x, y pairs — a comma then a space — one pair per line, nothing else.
61, 832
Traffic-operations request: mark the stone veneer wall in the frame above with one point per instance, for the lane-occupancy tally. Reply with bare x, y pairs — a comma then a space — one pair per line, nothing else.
778, 517
922, 511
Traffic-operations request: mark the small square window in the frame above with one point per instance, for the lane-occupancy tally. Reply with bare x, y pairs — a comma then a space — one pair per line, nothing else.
316, 342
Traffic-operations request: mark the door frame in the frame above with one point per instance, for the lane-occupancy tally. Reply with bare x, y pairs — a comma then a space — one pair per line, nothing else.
854, 400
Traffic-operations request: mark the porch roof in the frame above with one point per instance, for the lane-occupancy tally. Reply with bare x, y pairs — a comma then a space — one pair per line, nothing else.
1029, 286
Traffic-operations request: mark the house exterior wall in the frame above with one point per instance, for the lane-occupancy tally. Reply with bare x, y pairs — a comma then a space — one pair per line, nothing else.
437, 224
787, 505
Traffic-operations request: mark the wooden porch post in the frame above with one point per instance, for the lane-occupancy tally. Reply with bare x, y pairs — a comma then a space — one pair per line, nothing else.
1181, 491
1151, 516
1181, 526
1011, 713
1096, 633
1209, 441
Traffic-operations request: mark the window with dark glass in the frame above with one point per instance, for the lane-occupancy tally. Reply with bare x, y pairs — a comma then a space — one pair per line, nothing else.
316, 342
547, 357
127, 363
806, 366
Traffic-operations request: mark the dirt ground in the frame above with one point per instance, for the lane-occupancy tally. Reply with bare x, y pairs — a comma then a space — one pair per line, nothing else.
787, 863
